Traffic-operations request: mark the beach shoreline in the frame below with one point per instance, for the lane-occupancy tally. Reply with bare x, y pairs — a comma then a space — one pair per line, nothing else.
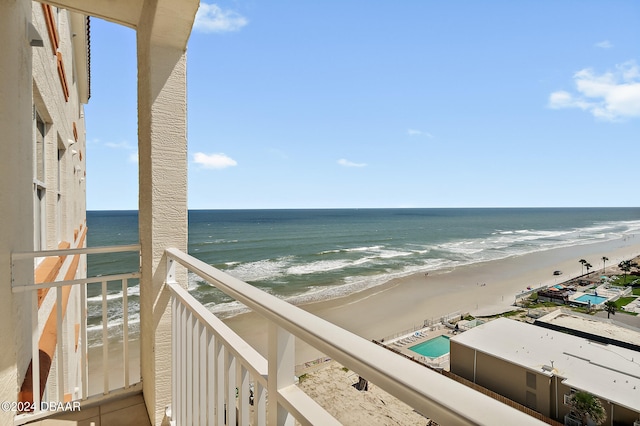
479, 288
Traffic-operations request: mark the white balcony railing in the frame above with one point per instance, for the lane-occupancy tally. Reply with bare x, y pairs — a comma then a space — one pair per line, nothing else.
80, 382
210, 361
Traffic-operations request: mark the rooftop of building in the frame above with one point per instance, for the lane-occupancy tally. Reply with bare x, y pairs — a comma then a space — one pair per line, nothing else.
603, 327
610, 372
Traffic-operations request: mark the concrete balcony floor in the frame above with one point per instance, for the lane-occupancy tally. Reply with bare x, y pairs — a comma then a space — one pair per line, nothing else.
125, 411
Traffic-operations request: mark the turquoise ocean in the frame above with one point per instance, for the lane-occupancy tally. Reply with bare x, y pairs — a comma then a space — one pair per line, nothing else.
307, 255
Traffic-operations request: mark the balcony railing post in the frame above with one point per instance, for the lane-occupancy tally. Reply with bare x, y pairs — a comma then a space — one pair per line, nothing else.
171, 271
281, 372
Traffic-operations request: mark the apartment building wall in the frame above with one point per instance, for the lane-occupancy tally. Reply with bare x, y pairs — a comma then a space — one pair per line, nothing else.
527, 387
42, 178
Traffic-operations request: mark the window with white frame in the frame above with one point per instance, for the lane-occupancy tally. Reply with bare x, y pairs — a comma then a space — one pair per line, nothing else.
40, 190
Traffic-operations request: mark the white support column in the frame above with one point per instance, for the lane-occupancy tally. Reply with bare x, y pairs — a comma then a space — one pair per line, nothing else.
281, 372
162, 147
16, 195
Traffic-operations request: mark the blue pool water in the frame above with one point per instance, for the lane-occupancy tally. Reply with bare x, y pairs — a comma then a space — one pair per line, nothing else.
432, 348
595, 300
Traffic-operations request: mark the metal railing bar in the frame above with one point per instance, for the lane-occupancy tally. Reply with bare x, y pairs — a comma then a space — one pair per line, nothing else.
125, 330
60, 350
105, 340
305, 410
22, 255
84, 368
35, 351
78, 281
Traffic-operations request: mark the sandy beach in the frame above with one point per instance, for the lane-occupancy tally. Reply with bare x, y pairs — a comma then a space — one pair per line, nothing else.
480, 289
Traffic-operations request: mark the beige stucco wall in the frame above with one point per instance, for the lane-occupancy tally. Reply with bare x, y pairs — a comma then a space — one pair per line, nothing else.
162, 147
66, 215
16, 203
29, 77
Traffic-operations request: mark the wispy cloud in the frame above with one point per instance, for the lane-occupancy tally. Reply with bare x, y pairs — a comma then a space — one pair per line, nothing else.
119, 145
214, 161
613, 95
347, 163
123, 146
414, 132
604, 44
211, 18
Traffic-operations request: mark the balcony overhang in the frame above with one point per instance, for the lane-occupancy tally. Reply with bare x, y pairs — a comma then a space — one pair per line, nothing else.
171, 25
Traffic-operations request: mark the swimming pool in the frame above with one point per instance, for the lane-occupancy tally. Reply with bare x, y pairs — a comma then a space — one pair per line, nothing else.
432, 348
595, 300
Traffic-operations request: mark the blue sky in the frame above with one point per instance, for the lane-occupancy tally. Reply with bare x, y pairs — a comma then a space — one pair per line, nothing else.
323, 104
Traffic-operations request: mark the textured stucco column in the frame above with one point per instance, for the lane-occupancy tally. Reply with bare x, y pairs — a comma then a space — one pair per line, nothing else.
16, 195
162, 147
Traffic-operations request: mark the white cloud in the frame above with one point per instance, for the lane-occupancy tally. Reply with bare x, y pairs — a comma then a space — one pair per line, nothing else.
118, 145
414, 132
133, 157
214, 161
211, 18
612, 96
605, 44
347, 163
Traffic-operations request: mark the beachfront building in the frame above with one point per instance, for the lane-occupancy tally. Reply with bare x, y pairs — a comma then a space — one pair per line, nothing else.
193, 368
540, 369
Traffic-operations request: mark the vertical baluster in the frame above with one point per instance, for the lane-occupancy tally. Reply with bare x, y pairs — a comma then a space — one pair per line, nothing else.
60, 369
219, 382
281, 372
183, 365
211, 378
195, 363
202, 373
35, 350
243, 397
174, 359
125, 330
84, 351
260, 404
105, 340
230, 372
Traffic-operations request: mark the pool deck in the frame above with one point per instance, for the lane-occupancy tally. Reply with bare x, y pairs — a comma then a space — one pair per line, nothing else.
403, 343
608, 293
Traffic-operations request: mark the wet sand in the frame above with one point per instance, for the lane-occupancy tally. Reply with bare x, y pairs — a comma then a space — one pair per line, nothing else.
482, 288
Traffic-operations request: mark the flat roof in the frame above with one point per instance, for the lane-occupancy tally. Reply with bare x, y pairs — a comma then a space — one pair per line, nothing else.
593, 325
610, 372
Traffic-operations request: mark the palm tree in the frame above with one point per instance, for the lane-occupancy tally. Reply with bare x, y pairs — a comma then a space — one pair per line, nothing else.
588, 266
582, 261
610, 307
625, 265
587, 406
604, 264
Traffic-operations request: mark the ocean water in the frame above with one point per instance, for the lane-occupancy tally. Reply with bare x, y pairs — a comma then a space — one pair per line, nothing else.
305, 255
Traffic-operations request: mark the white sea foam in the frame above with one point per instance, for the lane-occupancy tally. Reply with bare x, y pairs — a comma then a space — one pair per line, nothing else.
318, 266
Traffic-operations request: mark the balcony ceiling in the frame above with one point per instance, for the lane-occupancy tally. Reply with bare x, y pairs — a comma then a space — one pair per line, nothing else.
171, 26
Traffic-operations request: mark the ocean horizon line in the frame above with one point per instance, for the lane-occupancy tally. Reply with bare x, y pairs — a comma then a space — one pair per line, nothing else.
384, 208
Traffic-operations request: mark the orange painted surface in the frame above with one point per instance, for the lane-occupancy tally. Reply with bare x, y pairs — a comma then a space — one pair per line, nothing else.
77, 336
52, 28
48, 270
48, 339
